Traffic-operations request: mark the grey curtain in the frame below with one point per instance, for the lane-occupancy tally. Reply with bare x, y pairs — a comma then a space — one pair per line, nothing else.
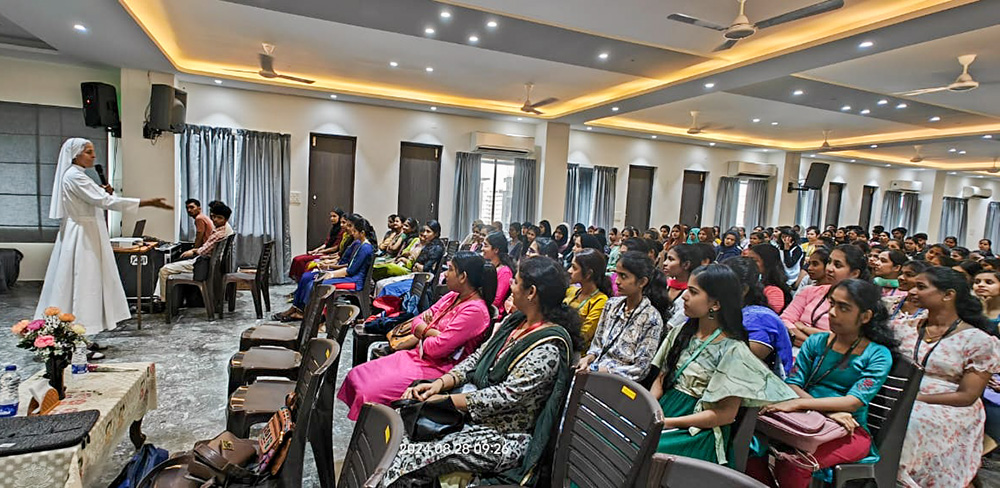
585, 201
467, 192
807, 208
260, 209
605, 179
572, 192
524, 201
992, 231
727, 203
900, 209
954, 219
207, 169
755, 210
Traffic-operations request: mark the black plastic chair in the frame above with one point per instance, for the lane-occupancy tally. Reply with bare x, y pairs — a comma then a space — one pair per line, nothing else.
610, 430
740, 437
888, 416
247, 365
374, 444
258, 281
211, 288
452, 247
363, 297
363, 341
287, 335
669, 471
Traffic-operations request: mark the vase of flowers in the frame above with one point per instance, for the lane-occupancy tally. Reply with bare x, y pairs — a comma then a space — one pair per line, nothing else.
53, 339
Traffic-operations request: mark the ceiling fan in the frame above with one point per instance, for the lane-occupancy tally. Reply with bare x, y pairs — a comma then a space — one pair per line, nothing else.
826, 141
996, 166
267, 67
694, 128
532, 108
963, 83
741, 28
916, 156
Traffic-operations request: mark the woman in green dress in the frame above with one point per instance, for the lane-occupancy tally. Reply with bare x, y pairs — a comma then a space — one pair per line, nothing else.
707, 371
396, 265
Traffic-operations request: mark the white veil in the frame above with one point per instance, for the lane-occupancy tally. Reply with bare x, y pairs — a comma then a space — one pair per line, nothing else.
70, 150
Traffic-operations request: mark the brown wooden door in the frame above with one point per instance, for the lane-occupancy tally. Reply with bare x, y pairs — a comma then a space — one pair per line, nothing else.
419, 181
692, 198
867, 197
833, 203
331, 182
639, 197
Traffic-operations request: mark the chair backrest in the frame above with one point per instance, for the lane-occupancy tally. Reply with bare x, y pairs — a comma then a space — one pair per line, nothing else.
216, 261
419, 285
611, 428
889, 412
669, 471
741, 434
312, 316
369, 283
320, 357
341, 320
374, 444
453, 247
263, 275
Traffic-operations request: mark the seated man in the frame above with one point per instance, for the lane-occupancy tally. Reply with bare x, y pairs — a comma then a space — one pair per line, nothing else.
202, 223
220, 214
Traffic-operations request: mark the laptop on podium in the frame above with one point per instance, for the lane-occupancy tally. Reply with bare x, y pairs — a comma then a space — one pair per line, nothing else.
140, 227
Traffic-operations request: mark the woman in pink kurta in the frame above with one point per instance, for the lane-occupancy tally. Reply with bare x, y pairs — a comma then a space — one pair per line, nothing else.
495, 252
807, 314
444, 335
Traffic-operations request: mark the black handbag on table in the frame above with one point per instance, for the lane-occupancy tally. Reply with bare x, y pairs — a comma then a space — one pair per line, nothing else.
20, 435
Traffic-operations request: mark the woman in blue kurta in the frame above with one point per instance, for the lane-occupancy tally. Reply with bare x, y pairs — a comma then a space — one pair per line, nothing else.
838, 373
349, 273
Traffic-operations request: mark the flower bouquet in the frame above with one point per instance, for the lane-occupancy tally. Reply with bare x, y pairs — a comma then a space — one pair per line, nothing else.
53, 340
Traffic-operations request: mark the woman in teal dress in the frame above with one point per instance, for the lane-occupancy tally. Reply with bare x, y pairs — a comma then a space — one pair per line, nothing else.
707, 371
400, 263
838, 373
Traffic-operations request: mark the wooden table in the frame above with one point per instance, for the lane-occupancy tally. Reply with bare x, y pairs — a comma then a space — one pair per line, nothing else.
122, 397
141, 255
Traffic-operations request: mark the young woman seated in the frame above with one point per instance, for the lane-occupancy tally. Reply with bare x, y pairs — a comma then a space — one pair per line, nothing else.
889, 266
347, 273
410, 246
495, 253
987, 288
515, 241
772, 273
958, 349
443, 336
707, 371
730, 247
518, 381
767, 336
631, 325
815, 269
329, 248
591, 294
808, 312
681, 260
430, 253
394, 238
838, 373
908, 311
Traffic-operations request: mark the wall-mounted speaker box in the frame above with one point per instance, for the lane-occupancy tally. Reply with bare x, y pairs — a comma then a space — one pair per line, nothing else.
100, 106
167, 108
816, 175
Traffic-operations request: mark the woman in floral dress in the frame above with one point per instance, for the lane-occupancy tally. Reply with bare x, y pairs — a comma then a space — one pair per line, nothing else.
519, 380
944, 440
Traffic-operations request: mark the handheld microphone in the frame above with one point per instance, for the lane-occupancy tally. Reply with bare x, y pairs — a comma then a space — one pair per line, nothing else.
100, 174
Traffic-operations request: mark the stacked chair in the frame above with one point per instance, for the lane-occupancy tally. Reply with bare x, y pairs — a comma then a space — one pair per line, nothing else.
364, 340
258, 281
211, 288
669, 471
362, 297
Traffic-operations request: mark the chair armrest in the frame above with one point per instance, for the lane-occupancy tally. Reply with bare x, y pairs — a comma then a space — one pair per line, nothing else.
843, 473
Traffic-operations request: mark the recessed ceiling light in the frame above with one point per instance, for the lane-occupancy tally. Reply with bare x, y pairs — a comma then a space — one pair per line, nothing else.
445, 14
218, 82
797, 92
765, 150
873, 146
952, 173
883, 101
953, 150
935, 119
901, 105
393, 64
988, 136
711, 143
854, 160
865, 112
614, 109
473, 38
79, 27
845, 108
333, 97
590, 128
491, 24
603, 55
654, 137
429, 69
887, 165
519, 118
866, 44
755, 120
429, 30
434, 109
980, 176
774, 123
710, 85
961, 152
810, 155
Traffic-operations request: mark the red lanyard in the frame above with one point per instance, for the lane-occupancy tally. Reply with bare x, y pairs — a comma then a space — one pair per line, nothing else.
514, 337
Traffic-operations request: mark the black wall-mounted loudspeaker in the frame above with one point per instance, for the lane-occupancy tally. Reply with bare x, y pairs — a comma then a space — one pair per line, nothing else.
100, 106
167, 109
816, 175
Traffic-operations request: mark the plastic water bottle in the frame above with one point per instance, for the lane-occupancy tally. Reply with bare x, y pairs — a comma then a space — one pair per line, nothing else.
79, 360
10, 382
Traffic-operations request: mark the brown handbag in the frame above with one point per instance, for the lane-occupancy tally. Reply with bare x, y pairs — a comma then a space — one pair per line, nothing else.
223, 459
400, 334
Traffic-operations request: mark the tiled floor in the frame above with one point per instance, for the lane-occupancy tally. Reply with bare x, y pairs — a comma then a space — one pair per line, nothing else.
191, 357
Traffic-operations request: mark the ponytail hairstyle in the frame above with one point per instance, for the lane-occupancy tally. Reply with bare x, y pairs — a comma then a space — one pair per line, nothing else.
593, 264
435, 227
499, 242
916, 265
857, 259
868, 297
897, 257
721, 284
363, 225
746, 270
639, 264
545, 228
480, 272
551, 281
774, 271
823, 253
688, 255
968, 307
415, 225
971, 269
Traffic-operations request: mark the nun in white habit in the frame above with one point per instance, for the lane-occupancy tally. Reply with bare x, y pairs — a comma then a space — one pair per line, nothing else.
82, 277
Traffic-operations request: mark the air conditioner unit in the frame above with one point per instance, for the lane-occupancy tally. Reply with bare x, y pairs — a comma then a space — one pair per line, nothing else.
976, 192
905, 185
489, 142
753, 170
